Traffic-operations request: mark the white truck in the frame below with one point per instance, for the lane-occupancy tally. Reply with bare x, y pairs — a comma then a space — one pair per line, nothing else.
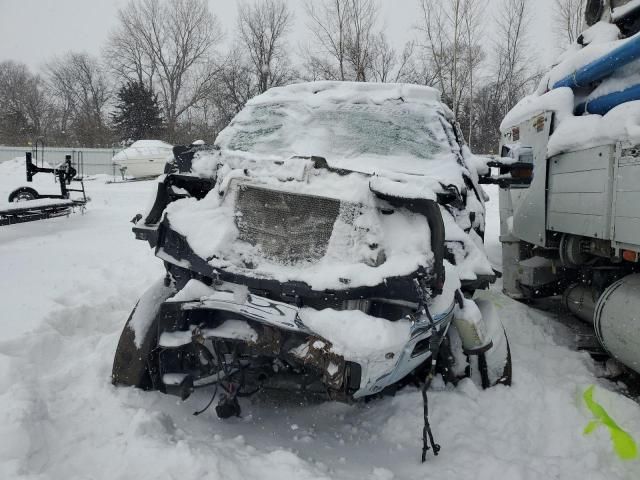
569, 177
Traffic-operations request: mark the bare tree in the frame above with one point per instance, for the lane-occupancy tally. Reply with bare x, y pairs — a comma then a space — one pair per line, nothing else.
25, 112
512, 71
384, 59
345, 38
262, 28
317, 67
80, 88
170, 41
389, 66
450, 36
472, 60
568, 19
360, 44
328, 20
256, 62
128, 56
234, 86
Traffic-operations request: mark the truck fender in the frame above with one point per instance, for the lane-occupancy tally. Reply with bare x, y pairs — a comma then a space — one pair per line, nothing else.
138, 338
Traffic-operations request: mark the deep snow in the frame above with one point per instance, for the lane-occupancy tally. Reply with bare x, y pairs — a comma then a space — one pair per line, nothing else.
66, 289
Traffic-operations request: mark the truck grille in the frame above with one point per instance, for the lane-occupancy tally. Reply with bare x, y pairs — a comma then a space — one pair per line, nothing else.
286, 227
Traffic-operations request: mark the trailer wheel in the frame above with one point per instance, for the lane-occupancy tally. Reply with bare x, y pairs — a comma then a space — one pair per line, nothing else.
139, 338
23, 194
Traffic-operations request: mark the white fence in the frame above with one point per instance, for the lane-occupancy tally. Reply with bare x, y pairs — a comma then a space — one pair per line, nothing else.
96, 160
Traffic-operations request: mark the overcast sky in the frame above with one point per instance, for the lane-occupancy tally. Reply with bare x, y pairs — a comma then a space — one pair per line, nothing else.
33, 31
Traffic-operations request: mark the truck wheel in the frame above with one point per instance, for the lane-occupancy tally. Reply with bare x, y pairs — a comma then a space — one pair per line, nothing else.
139, 338
23, 194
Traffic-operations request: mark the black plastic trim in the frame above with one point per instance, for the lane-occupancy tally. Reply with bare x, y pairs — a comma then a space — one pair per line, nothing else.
178, 250
431, 211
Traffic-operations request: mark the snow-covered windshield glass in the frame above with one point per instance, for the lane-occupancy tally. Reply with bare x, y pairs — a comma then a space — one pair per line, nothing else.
340, 131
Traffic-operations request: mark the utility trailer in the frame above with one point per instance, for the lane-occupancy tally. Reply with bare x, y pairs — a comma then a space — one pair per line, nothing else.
27, 205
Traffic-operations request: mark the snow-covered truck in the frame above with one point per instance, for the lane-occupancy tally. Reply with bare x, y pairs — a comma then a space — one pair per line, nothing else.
569, 174
329, 242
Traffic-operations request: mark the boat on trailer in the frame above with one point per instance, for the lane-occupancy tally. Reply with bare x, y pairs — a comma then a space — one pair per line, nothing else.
143, 159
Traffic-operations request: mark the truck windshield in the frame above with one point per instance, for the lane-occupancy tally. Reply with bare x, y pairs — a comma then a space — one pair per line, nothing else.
341, 131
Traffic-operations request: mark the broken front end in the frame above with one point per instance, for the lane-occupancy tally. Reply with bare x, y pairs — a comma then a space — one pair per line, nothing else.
276, 288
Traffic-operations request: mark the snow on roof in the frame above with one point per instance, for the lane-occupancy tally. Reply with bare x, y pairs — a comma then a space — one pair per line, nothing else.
150, 144
143, 149
560, 101
599, 39
349, 92
579, 132
621, 11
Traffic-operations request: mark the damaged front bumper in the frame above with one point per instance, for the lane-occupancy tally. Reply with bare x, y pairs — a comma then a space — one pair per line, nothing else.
220, 336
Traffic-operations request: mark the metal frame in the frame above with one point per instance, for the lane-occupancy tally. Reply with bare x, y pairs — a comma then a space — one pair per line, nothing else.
64, 177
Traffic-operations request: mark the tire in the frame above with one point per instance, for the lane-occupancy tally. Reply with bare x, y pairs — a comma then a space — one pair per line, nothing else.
23, 194
139, 339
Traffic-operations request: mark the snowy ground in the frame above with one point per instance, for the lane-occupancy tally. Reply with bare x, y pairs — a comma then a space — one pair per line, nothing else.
66, 288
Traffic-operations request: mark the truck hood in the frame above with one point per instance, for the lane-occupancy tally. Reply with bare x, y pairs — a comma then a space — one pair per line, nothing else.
289, 220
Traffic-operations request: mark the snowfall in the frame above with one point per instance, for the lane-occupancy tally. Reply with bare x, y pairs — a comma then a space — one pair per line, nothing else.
67, 287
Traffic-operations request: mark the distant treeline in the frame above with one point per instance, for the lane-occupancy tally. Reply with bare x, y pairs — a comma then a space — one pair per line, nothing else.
163, 74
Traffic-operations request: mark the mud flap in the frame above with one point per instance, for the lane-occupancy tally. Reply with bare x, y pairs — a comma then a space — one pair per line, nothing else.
498, 357
138, 338
491, 366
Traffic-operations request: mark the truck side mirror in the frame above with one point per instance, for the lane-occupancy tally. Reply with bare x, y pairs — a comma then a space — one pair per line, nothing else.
515, 167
